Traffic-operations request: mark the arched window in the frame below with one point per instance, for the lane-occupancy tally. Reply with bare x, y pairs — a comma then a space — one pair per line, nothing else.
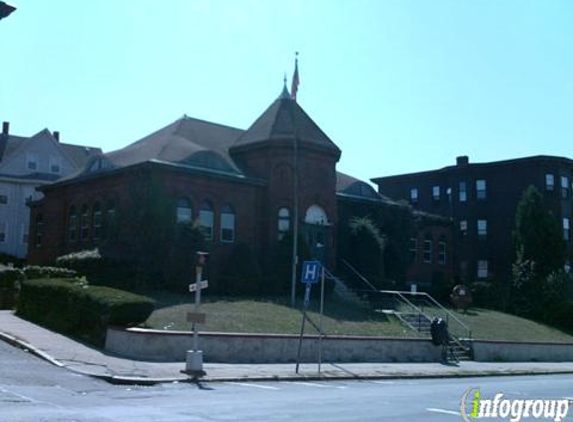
283, 222
84, 223
184, 211
227, 224
109, 217
39, 230
206, 219
72, 225
315, 215
96, 221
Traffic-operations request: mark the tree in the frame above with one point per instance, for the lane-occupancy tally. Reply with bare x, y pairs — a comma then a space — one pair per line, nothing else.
364, 249
540, 257
537, 235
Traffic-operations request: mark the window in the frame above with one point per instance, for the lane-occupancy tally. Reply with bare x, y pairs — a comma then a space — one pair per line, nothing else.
413, 250
427, 250
482, 227
96, 221
3, 232
84, 223
481, 190
227, 224
549, 182
283, 222
464, 227
184, 210
566, 229
72, 225
462, 192
442, 251
564, 187
3, 199
109, 217
24, 230
482, 270
414, 195
436, 193
206, 219
55, 164
31, 161
39, 230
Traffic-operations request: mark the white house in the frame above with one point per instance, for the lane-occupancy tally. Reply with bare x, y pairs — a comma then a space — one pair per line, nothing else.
26, 163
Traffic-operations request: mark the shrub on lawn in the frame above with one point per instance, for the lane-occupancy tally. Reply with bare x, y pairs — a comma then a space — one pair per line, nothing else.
99, 269
562, 315
10, 279
78, 309
242, 275
6, 259
33, 271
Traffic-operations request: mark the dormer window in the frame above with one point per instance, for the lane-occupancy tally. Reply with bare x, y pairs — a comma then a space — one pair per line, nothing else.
31, 161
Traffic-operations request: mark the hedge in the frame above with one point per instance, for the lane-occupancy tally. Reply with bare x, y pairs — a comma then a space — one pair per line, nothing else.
10, 279
33, 272
99, 269
81, 310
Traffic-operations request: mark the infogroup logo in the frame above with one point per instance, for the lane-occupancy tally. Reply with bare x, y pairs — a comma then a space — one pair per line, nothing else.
473, 407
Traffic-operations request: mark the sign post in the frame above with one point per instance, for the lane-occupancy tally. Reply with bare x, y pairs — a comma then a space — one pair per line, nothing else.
310, 274
194, 358
320, 333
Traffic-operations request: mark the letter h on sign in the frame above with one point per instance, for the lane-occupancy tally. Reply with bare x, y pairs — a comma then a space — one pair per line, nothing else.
310, 271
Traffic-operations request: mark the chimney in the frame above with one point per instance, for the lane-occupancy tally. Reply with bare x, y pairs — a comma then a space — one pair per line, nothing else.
6, 128
56, 135
462, 160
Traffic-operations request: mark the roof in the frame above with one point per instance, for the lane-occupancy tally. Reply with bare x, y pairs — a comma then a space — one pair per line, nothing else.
79, 154
185, 141
480, 166
350, 186
285, 119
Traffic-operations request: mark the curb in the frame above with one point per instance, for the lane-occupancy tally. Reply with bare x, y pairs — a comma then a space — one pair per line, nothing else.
136, 380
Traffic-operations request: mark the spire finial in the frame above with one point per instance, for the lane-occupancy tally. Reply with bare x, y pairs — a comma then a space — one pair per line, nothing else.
295, 78
285, 94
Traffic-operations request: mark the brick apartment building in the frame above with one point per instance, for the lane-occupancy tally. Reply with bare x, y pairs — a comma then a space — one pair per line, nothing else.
481, 199
238, 184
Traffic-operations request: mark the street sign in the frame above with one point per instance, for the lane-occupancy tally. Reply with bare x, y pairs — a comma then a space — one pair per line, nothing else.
196, 317
193, 287
310, 272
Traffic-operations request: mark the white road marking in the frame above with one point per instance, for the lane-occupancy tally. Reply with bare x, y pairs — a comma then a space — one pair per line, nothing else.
384, 382
447, 412
253, 385
315, 384
29, 399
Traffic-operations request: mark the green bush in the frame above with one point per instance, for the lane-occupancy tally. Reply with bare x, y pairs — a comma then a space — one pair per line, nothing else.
33, 272
10, 279
98, 269
6, 259
563, 315
78, 309
242, 275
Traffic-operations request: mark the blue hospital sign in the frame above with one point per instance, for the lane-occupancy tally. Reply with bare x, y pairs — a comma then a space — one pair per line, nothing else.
310, 271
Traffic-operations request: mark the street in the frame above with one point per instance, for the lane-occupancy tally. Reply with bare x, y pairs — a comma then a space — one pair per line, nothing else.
32, 390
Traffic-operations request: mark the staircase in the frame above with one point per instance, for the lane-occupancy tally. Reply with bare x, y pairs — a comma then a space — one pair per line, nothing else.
416, 311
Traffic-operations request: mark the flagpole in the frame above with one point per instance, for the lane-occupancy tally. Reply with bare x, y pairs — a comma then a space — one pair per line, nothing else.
295, 186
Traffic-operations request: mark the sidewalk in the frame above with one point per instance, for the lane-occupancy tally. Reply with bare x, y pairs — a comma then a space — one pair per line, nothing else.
62, 351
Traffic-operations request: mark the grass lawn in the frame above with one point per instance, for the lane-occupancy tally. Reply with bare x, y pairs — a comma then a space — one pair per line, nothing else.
273, 315
270, 316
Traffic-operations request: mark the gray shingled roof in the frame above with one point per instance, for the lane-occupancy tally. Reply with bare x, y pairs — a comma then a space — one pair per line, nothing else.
186, 141
351, 186
277, 123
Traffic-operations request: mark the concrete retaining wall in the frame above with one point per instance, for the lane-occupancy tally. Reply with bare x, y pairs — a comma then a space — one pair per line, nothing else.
509, 351
159, 345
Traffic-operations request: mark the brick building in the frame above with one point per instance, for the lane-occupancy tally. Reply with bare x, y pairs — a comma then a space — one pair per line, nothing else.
238, 184
481, 199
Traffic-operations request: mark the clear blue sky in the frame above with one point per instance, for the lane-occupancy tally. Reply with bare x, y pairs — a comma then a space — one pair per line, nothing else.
399, 85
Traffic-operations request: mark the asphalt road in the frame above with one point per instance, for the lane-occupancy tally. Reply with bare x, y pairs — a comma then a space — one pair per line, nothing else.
32, 390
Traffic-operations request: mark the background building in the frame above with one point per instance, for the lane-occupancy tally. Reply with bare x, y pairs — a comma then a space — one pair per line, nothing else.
481, 199
27, 163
